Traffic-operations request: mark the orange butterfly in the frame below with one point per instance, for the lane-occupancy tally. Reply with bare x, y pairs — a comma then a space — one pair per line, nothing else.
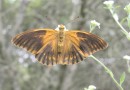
59, 46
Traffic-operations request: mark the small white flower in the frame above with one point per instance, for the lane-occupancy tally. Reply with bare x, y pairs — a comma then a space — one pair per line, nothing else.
108, 2
95, 23
126, 57
91, 87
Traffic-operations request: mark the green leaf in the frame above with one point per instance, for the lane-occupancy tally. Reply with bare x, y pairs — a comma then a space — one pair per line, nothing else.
122, 78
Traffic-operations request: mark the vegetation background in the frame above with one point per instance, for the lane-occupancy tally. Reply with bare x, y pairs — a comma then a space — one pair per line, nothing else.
20, 71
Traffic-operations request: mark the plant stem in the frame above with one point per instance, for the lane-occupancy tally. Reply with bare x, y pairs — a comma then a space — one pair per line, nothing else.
118, 23
108, 71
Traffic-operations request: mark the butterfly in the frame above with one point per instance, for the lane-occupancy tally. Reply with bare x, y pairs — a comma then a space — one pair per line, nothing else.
59, 46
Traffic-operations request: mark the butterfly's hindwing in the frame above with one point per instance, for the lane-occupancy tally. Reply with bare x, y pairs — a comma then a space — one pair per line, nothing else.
71, 53
73, 56
48, 53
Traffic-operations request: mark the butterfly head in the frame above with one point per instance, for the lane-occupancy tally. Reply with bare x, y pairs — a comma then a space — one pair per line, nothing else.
61, 27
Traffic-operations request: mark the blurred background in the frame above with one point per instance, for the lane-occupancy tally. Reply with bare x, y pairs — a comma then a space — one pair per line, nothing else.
20, 71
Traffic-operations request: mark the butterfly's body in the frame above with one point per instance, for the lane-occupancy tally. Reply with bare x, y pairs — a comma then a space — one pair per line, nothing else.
61, 37
59, 46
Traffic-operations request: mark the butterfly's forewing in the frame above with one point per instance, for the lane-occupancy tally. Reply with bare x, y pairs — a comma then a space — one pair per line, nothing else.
81, 45
33, 40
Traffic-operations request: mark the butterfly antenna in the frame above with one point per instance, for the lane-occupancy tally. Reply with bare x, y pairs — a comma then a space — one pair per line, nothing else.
73, 20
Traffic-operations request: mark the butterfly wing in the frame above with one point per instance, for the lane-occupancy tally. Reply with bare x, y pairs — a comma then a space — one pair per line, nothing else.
33, 40
80, 45
43, 43
48, 55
